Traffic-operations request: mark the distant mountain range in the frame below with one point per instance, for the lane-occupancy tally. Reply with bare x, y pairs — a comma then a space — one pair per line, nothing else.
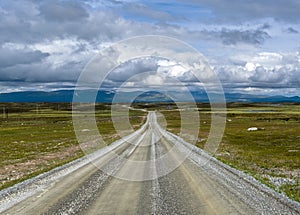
151, 96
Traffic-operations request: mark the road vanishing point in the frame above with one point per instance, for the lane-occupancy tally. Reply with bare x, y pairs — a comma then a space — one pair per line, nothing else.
199, 185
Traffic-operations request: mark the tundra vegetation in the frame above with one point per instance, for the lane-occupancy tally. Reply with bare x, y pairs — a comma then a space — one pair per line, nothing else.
271, 153
36, 137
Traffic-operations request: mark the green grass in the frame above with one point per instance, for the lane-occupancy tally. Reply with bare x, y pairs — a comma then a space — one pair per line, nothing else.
34, 141
272, 151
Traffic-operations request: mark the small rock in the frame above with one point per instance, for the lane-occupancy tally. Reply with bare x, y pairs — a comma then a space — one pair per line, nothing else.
252, 129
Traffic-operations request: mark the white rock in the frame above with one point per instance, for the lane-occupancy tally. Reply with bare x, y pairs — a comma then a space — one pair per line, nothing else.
252, 129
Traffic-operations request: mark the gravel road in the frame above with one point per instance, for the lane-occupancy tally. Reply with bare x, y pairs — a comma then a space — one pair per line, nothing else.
199, 185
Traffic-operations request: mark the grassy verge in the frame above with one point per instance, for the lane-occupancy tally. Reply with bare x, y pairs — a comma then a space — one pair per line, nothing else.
35, 138
271, 154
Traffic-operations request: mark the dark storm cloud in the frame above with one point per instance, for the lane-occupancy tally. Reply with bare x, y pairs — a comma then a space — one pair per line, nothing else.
50, 41
291, 30
45, 25
232, 37
133, 67
50, 20
11, 57
41, 72
12, 27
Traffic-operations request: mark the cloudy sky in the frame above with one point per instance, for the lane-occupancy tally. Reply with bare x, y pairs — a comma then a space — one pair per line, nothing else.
253, 46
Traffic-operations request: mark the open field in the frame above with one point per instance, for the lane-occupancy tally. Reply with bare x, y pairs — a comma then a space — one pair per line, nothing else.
38, 137
178, 184
271, 154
